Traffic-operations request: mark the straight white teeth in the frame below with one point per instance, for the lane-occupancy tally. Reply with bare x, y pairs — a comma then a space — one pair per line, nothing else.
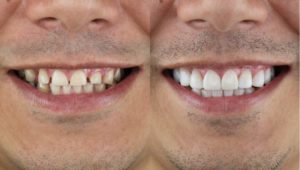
219, 83
65, 82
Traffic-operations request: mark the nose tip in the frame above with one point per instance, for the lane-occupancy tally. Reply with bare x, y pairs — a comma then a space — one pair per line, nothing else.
71, 15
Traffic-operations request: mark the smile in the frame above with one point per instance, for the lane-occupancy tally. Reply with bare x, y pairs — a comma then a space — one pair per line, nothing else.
225, 89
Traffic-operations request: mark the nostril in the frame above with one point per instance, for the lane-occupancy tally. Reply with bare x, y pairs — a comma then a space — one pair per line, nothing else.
49, 23
197, 23
98, 23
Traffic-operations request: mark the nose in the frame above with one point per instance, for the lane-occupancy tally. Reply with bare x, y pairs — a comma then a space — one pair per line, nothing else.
71, 15
222, 15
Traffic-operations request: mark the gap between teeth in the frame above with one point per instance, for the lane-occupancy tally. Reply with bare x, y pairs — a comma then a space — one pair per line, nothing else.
59, 82
231, 82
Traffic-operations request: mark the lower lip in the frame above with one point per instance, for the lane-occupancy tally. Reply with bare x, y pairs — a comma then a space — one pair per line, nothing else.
224, 105
74, 104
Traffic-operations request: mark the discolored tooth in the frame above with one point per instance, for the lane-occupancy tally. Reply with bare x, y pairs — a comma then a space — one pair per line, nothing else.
267, 75
259, 80
43, 77
245, 79
88, 88
96, 78
249, 90
99, 87
176, 75
217, 93
21, 73
196, 80
30, 75
197, 91
77, 89
228, 93
230, 80
109, 77
239, 92
118, 74
55, 90
206, 93
184, 77
67, 89
78, 78
272, 72
59, 78
43, 88
212, 81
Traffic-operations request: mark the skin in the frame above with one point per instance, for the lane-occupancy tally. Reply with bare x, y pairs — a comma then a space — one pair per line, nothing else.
265, 135
115, 135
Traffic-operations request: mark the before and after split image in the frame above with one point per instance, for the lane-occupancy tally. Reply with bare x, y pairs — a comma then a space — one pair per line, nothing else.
149, 84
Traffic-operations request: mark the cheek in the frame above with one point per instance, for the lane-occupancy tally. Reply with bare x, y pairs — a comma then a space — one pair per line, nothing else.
7, 8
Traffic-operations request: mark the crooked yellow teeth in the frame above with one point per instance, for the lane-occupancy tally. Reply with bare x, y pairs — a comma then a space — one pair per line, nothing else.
61, 82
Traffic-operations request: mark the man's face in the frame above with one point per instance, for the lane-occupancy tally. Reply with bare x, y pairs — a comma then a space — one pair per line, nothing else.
71, 77
225, 84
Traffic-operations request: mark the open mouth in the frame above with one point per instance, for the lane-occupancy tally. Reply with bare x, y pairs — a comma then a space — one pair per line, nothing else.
225, 89
78, 81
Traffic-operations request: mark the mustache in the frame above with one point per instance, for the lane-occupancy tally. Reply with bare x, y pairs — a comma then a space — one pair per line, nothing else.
87, 43
191, 45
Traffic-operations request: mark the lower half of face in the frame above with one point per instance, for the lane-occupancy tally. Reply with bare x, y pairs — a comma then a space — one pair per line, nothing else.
104, 128
227, 129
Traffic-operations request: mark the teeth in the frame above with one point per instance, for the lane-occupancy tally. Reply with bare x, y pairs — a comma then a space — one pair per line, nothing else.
77, 89
239, 92
55, 90
67, 89
118, 75
99, 87
176, 75
197, 91
230, 80
206, 93
245, 80
217, 93
211, 81
249, 91
196, 80
228, 93
268, 75
43, 77
30, 75
96, 78
259, 80
43, 87
89, 88
184, 76
59, 78
109, 77
78, 78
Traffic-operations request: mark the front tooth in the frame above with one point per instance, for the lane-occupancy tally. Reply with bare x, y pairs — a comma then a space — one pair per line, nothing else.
89, 88
245, 80
176, 75
249, 90
267, 75
196, 80
239, 92
184, 76
67, 89
217, 93
30, 75
206, 93
99, 87
211, 81
55, 90
78, 78
59, 78
118, 74
109, 77
259, 80
197, 91
228, 93
43, 77
77, 89
230, 80
96, 78
43, 87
